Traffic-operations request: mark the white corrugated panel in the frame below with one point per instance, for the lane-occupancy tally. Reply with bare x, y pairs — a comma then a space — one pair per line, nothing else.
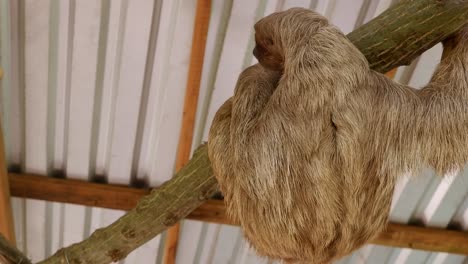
94, 90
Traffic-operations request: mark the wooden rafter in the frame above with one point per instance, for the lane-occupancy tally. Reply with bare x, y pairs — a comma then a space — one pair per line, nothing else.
125, 198
391, 74
200, 32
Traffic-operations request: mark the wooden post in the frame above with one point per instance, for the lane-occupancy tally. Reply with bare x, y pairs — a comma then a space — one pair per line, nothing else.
200, 32
6, 217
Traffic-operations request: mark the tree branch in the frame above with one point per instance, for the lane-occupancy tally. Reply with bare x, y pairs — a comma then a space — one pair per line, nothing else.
162, 208
394, 38
404, 31
10, 255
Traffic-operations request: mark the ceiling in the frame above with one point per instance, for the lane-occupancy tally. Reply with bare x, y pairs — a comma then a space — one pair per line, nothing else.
96, 89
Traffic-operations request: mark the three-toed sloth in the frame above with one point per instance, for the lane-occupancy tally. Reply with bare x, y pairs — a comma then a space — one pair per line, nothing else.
309, 148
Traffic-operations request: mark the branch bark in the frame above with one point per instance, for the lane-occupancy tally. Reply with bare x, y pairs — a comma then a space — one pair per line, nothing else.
392, 39
162, 208
9, 254
406, 30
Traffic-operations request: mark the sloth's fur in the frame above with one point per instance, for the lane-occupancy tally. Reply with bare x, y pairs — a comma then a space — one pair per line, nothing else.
308, 149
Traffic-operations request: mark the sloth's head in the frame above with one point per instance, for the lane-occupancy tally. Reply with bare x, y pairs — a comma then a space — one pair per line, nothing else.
280, 31
301, 39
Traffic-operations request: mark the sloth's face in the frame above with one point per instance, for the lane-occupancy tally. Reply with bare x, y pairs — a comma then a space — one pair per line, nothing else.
284, 30
267, 51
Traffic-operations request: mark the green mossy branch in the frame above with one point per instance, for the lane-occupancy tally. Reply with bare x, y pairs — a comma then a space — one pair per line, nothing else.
403, 32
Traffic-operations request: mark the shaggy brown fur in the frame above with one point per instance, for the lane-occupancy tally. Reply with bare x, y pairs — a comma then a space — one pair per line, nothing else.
308, 149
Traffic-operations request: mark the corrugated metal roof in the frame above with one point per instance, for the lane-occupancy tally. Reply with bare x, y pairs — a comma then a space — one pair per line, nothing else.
97, 88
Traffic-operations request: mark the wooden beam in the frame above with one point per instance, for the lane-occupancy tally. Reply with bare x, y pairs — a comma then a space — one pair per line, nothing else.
391, 74
214, 211
200, 33
75, 191
6, 216
424, 238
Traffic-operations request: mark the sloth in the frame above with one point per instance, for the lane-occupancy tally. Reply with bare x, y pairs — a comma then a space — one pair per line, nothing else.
308, 149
